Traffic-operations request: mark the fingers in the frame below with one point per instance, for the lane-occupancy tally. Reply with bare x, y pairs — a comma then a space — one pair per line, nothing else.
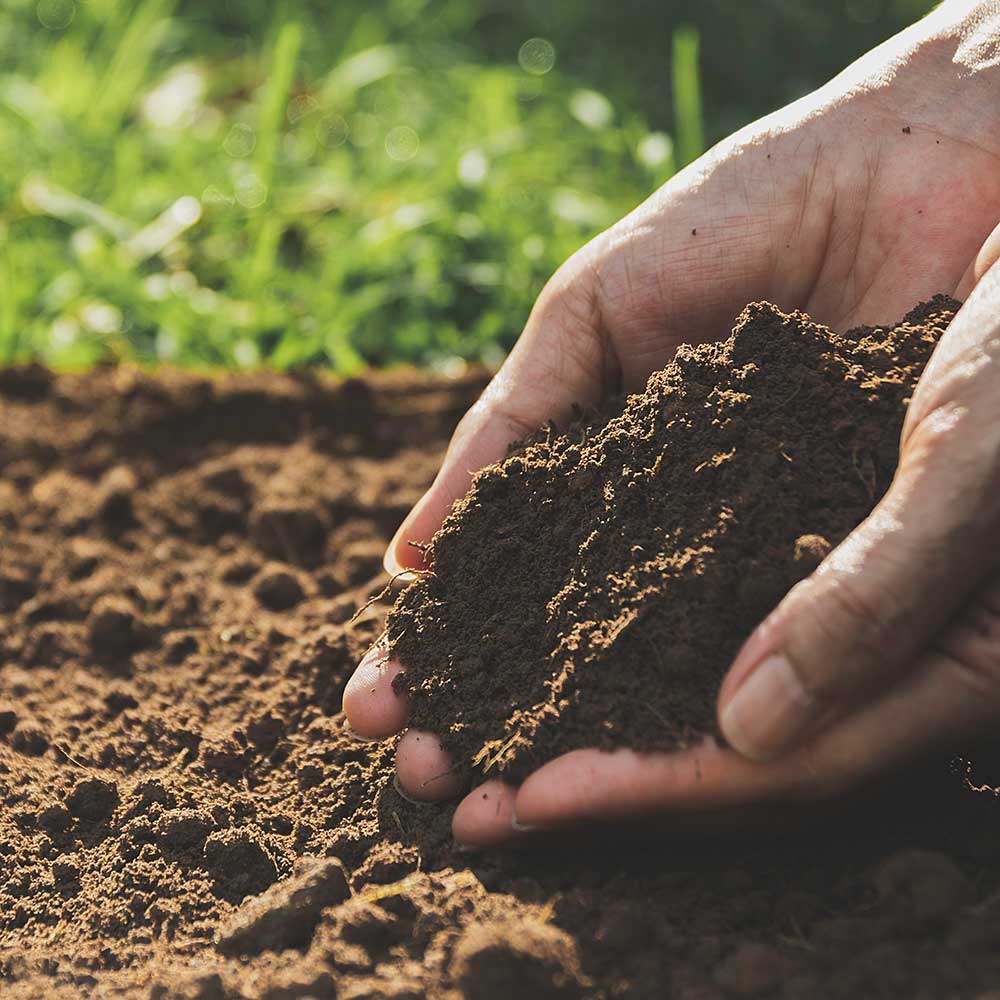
985, 259
424, 771
849, 629
484, 817
951, 695
373, 709
877, 600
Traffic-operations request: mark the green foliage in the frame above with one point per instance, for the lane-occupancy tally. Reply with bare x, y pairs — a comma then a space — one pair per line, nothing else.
687, 95
303, 183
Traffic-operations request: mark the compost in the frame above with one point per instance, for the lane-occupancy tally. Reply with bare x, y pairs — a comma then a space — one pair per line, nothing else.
183, 815
593, 589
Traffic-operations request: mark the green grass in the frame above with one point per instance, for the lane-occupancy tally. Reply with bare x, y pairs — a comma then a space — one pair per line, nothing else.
342, 184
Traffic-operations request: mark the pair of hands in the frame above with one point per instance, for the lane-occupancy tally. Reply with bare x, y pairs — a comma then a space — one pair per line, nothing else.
877, 191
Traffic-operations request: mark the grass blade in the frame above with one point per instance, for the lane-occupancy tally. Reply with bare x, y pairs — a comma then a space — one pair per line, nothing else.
686, 79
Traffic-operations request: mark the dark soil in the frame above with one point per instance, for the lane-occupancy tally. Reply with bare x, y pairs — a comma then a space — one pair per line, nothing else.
593, 589
183, 815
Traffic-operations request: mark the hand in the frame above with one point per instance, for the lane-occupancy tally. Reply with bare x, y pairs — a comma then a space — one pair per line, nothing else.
853, 204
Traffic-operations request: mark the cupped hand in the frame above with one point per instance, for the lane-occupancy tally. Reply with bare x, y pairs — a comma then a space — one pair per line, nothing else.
875, 192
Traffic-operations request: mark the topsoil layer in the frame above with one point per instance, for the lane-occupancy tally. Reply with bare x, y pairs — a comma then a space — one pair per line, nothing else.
182, 814
593, 589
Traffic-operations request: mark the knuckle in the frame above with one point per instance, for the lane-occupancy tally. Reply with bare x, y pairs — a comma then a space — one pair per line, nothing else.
846, 631
849, 607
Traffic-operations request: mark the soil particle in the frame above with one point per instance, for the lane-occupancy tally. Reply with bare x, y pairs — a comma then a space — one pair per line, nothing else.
29, 738
284, 530
93, 799
921, 885
286, 915
593, 588
751, 970
489, 961
278, 588
184, 829
8, 718
114, 627
240, 861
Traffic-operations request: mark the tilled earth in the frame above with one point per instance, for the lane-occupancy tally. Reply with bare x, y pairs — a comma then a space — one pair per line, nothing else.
183, 815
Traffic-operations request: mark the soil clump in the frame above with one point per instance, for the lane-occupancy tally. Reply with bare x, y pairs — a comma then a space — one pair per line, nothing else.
593, 588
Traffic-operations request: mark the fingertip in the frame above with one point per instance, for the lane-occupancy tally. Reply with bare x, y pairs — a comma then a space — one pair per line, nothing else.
401, 557
485, 817
424, 769
372, 707
405, 552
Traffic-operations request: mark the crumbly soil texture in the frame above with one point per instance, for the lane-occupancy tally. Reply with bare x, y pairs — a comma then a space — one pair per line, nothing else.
593, 588
183, 815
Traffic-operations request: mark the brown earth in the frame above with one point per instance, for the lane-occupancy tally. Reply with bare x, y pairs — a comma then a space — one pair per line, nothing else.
182, 814
593, 589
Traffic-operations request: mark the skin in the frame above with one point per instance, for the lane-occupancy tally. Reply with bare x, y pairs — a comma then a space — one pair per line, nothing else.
877, 191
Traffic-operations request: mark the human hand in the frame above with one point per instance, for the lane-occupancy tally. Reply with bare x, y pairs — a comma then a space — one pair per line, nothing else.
830, 207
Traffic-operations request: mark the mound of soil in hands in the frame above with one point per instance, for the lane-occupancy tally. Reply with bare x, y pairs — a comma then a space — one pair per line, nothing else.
184, 817
593, 588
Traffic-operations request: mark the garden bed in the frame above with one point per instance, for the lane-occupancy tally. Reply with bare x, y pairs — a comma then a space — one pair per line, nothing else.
181, 558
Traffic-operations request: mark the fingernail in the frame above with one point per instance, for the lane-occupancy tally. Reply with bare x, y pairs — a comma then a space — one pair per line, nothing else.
389, 561
768, 711
405, 795
355, 735
521, 827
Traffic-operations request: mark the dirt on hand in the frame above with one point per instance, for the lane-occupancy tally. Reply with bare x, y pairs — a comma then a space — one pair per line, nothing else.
593, 588
183, 815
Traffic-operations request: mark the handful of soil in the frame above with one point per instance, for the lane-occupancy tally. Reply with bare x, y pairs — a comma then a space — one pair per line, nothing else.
593, 588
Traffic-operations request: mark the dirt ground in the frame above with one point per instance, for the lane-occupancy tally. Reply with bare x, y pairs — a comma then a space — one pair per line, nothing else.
183, 815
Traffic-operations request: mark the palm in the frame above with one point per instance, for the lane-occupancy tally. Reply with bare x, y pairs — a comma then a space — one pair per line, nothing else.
848, 217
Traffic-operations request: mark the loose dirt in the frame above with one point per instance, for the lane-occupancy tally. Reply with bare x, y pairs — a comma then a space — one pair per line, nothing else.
592, 589
184, 817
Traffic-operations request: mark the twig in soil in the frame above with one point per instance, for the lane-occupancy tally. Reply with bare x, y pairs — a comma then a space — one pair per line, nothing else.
385, 590
394, 889
496, 757
983, 789
399, 823
69, 756
549, 909
797, 939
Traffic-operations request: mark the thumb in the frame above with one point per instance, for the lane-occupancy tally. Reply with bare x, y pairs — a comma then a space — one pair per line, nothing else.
560, 361
864, 616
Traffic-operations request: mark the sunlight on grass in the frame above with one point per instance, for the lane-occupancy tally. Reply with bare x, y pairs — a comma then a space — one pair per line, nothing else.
687, 95
269, 184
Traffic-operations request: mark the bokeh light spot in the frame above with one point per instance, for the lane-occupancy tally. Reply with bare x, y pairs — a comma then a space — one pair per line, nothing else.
251, 191
655, 149
56, 14
473, 168
402, 143
300, 107
537, 56
332, 131
591, 109
186, 210
241, 141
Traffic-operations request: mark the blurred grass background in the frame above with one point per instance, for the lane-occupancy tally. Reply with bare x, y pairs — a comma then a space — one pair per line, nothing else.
351, 182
